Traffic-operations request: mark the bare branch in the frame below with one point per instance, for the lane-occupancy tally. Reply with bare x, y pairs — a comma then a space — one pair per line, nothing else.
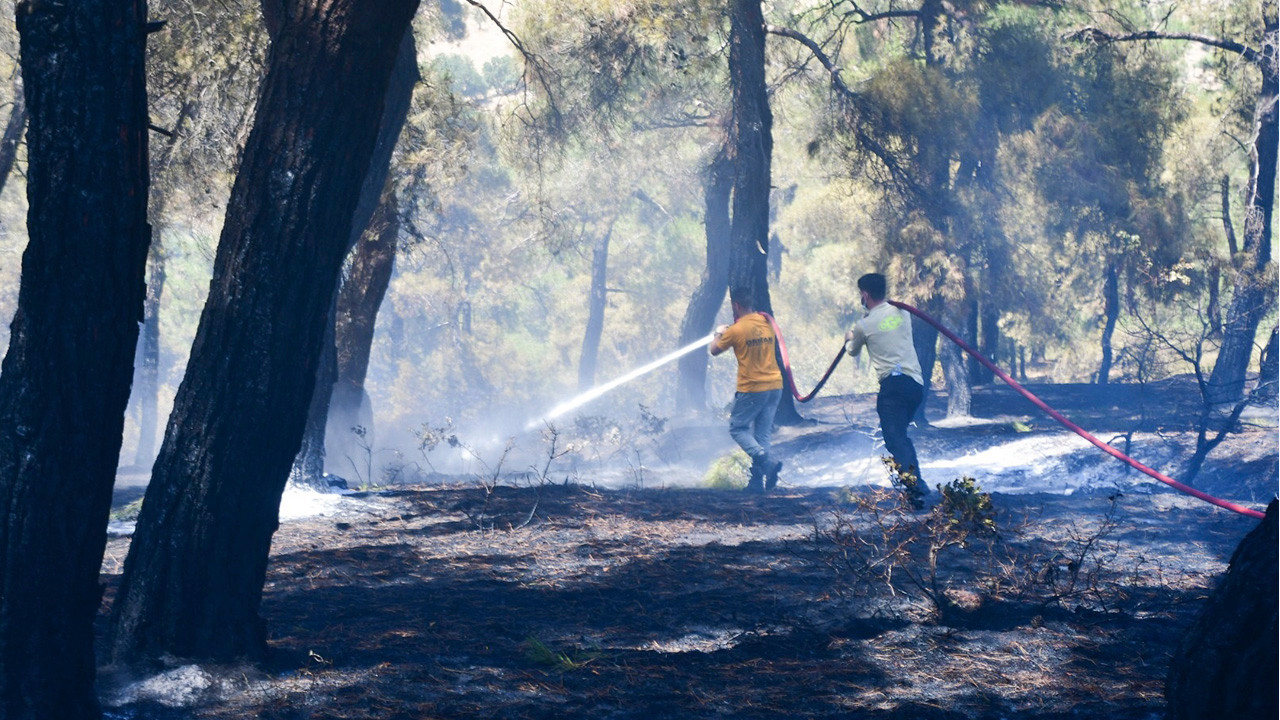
865, 17
532, 59
1102, 37
855, 106
814, 48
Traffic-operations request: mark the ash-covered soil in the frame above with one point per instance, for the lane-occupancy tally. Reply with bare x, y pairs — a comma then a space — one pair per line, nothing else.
550, 600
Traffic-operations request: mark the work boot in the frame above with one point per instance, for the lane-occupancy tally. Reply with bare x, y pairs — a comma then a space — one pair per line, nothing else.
771, 475
755, 485
914, 488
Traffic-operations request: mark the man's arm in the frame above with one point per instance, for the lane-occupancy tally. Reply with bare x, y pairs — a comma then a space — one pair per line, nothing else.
854, 340
715, 348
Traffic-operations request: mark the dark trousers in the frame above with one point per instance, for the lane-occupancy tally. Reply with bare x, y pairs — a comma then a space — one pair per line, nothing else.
896, 404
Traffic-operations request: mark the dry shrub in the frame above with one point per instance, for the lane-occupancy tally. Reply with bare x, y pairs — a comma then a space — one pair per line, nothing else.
884, 543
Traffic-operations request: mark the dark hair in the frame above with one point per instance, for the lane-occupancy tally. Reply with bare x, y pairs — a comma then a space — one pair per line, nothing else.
874, 285
742, 296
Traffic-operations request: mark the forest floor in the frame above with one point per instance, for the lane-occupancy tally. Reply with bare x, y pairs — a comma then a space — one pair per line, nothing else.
538, 599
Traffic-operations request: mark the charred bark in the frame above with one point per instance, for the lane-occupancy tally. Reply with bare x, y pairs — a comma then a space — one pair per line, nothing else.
595, 310
1226, 665
752, 138
193, 579
700, 316
308, 467
65, 381
358, 302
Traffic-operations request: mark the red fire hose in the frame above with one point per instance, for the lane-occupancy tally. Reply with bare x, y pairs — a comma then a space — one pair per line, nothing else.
1025, 393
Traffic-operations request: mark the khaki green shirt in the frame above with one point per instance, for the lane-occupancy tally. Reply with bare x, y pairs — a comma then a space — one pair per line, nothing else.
886, 333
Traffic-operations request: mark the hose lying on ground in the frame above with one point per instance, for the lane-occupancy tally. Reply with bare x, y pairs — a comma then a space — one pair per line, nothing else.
786, 362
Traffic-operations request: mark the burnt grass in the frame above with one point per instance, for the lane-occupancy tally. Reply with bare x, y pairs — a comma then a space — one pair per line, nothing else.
700, 604
570, 601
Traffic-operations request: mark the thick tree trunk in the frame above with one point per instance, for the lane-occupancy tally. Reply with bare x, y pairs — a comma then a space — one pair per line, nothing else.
12, 136
752, 140
358, 301
596, 302
700, 316
1226, 664
193, 578
65, 381
1254, 292
752, 137
308, 467
1110, 314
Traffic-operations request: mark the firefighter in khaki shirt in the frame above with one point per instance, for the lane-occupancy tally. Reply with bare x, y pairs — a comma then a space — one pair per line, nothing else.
759, 386
885, 331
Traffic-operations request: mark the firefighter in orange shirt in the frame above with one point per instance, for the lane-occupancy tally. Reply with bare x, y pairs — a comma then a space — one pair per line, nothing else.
759, 386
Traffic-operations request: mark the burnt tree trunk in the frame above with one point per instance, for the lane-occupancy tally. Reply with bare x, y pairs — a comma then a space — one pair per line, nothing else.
596, 303
700, 316
308, 467
752, 137
361, 295
12, 136
1254, 292
193, 578
1226, 664
65, 381
1110, 314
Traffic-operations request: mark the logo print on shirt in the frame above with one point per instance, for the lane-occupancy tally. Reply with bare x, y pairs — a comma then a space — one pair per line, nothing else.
890, 323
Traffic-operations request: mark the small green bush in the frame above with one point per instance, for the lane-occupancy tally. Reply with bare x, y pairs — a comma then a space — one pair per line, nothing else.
729, 472
127, 513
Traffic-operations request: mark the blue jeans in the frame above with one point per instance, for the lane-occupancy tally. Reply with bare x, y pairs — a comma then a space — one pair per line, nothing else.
751, 421
896, 404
